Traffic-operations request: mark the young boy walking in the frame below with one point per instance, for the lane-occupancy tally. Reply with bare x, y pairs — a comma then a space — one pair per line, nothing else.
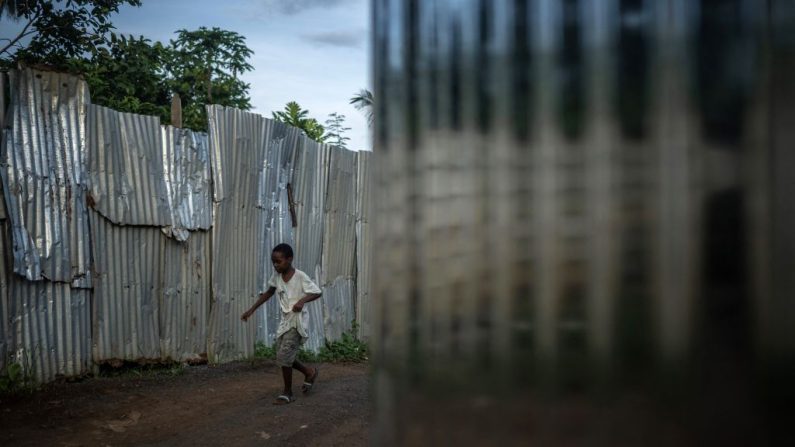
294, 289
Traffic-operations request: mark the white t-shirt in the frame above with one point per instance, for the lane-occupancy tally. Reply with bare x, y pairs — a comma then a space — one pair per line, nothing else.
289, 293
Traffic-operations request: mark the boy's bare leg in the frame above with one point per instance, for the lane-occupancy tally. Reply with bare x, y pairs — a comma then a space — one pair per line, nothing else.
287, 374
305, 370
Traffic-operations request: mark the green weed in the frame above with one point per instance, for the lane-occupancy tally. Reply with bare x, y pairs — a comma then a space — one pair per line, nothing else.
15, 379
263, 351
131, 369
348, 349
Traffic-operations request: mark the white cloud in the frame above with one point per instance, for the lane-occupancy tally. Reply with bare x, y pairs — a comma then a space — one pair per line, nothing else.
340, 38
293, 7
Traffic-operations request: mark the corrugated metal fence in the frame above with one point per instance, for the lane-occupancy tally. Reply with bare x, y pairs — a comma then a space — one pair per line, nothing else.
126, 240
582, 201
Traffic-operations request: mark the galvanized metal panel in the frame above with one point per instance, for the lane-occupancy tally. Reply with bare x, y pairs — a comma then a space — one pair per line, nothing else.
3, 125
50, 328
185, 300
316, 331
6, 348
152, 294
339, 226
186, 161
280, 142
237, 149
128, 262
309, 186
364, 242
338, 310
43, 156
126, 169
3, 213
241, 142
339, 244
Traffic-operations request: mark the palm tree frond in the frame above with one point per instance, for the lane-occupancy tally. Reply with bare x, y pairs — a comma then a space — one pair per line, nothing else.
365, 102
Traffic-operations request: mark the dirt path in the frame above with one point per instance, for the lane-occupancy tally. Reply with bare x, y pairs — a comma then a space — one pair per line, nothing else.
221, 405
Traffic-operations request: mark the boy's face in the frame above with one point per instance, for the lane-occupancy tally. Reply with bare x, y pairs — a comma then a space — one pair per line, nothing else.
281, 263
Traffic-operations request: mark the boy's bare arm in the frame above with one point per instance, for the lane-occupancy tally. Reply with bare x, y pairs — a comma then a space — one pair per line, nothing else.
307, 299
262, 298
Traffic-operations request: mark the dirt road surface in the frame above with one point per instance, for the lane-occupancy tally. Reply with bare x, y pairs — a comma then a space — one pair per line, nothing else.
228, 405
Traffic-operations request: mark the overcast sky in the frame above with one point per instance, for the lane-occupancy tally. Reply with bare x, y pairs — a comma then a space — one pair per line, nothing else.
315, 52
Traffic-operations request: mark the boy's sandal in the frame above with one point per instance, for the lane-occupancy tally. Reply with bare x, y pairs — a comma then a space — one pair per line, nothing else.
283, 400
307, 386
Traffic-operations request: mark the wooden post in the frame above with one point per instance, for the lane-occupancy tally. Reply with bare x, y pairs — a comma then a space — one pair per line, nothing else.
176, 111
291, 202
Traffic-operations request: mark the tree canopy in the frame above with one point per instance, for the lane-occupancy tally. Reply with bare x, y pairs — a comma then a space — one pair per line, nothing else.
203, 67
135, 74
127, 73
335, 130
55, 31
295, 116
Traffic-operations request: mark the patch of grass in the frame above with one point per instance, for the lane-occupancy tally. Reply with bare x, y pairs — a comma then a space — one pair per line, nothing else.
347, 349
308, 356
14, 379
263, 351
176, 370
129, 369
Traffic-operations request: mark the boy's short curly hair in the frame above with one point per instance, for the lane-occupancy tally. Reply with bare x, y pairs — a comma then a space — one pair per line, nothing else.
284, 249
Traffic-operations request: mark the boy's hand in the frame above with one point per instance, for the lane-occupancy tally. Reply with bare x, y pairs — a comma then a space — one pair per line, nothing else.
246, 315
298, 307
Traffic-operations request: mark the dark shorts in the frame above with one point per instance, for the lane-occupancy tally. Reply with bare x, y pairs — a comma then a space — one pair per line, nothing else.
287, 347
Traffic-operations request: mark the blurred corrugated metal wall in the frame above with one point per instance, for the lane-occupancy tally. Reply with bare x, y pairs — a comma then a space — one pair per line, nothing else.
584, 198
180, 231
